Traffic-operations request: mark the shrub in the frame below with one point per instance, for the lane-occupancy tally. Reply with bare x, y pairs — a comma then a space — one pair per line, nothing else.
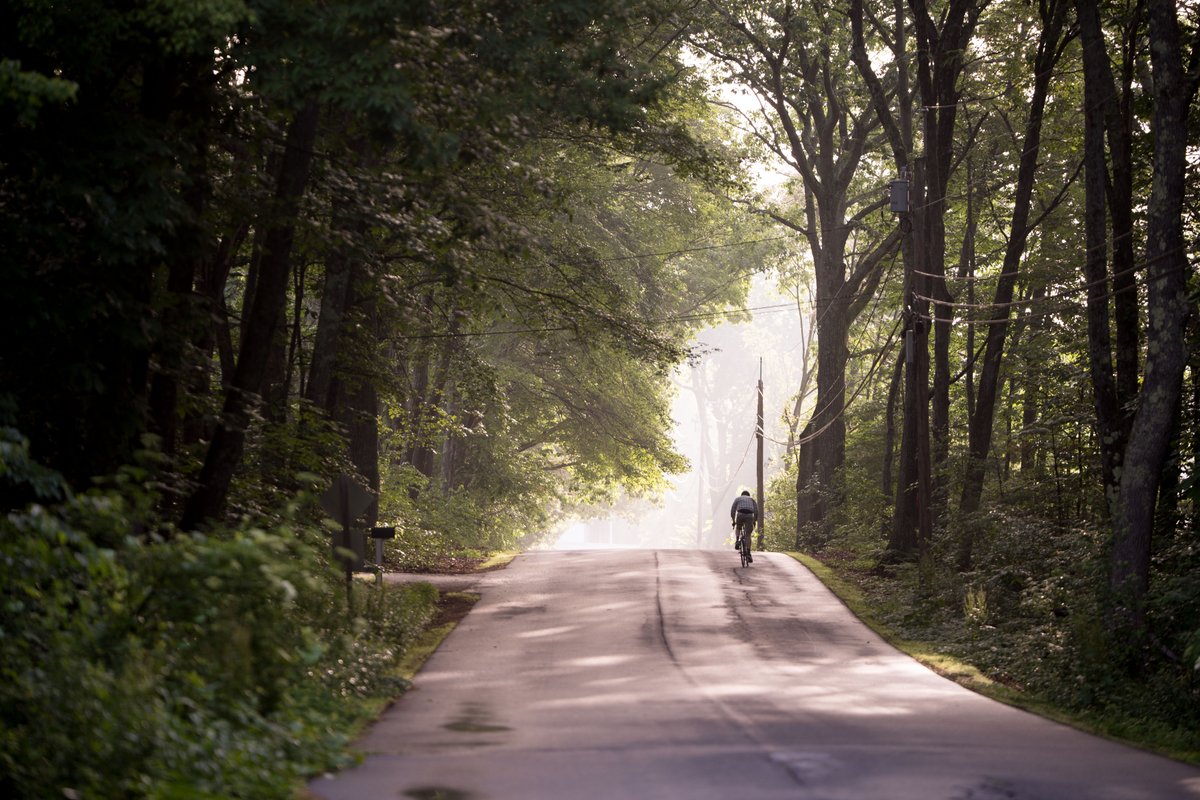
219, 665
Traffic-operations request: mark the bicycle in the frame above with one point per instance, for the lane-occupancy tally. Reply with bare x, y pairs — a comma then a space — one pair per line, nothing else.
741, 543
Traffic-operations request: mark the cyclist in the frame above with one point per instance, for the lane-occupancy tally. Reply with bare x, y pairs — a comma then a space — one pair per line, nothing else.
743, 514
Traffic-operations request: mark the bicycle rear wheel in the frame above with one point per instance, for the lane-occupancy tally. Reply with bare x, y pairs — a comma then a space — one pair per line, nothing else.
744, 550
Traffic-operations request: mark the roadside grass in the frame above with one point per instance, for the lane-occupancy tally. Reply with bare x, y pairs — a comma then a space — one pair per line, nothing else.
362, 712
449, 562
497, 560
451, 608
1144, 733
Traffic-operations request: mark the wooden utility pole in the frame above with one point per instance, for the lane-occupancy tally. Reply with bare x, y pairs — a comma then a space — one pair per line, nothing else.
759, 435
913, 519
698, 390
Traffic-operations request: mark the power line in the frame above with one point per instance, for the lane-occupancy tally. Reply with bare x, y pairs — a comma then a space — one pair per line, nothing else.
774, 308
694, 249
734, 475
883, 351
1033, 301
480, 334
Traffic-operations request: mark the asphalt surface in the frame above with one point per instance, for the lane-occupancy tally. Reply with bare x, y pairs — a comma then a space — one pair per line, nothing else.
678, 674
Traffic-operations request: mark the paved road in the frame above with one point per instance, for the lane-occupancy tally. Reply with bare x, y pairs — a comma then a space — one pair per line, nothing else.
677, 674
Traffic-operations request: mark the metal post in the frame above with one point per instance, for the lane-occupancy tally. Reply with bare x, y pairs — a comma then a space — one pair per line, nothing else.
759, 434
379, 562
344, 501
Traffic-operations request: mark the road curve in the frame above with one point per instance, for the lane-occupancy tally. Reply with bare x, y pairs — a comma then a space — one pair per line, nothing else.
677, 674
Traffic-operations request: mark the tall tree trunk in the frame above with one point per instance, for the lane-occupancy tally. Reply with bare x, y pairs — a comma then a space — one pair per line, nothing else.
416, 402
1118, 122
1167, 311
451, 446
912, 514
939, 64
824, 448
228, 442
356, 402
258, 235
1097, 85
966, 271
980, 427
335, 298
418, 397
823, 137
275, 390
343, 268
163, 100
458, 454
424, 455
157, 102
214, 335
1032, 457
295, 354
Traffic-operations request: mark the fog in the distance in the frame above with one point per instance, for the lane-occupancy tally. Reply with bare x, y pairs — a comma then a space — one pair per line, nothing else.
714, 413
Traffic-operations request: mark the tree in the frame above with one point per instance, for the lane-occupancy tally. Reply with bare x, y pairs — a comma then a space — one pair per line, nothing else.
795, 58
941, 57
1108, 124
103, 180
1051, 42
912, 518
507, 54
1167, 310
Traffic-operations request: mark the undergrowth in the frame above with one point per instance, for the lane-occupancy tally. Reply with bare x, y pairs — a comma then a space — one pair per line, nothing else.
140, 661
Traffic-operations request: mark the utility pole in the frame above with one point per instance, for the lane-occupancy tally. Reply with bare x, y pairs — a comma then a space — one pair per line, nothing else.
759, 435
698, 390
913, 519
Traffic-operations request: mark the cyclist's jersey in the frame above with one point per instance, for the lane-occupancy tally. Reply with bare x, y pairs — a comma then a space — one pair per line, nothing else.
745, 504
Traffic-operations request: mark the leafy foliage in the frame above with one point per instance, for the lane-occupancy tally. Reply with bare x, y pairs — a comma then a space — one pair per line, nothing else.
204, 666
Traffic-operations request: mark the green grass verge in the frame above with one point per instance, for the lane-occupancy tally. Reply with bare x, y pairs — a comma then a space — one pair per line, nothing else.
497, 560
360, 712
932, 655
452, 607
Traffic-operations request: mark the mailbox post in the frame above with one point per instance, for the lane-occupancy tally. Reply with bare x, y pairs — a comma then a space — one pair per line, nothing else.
378, 535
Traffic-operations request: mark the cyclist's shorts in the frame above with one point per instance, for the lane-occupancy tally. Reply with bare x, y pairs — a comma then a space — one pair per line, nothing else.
745, 517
